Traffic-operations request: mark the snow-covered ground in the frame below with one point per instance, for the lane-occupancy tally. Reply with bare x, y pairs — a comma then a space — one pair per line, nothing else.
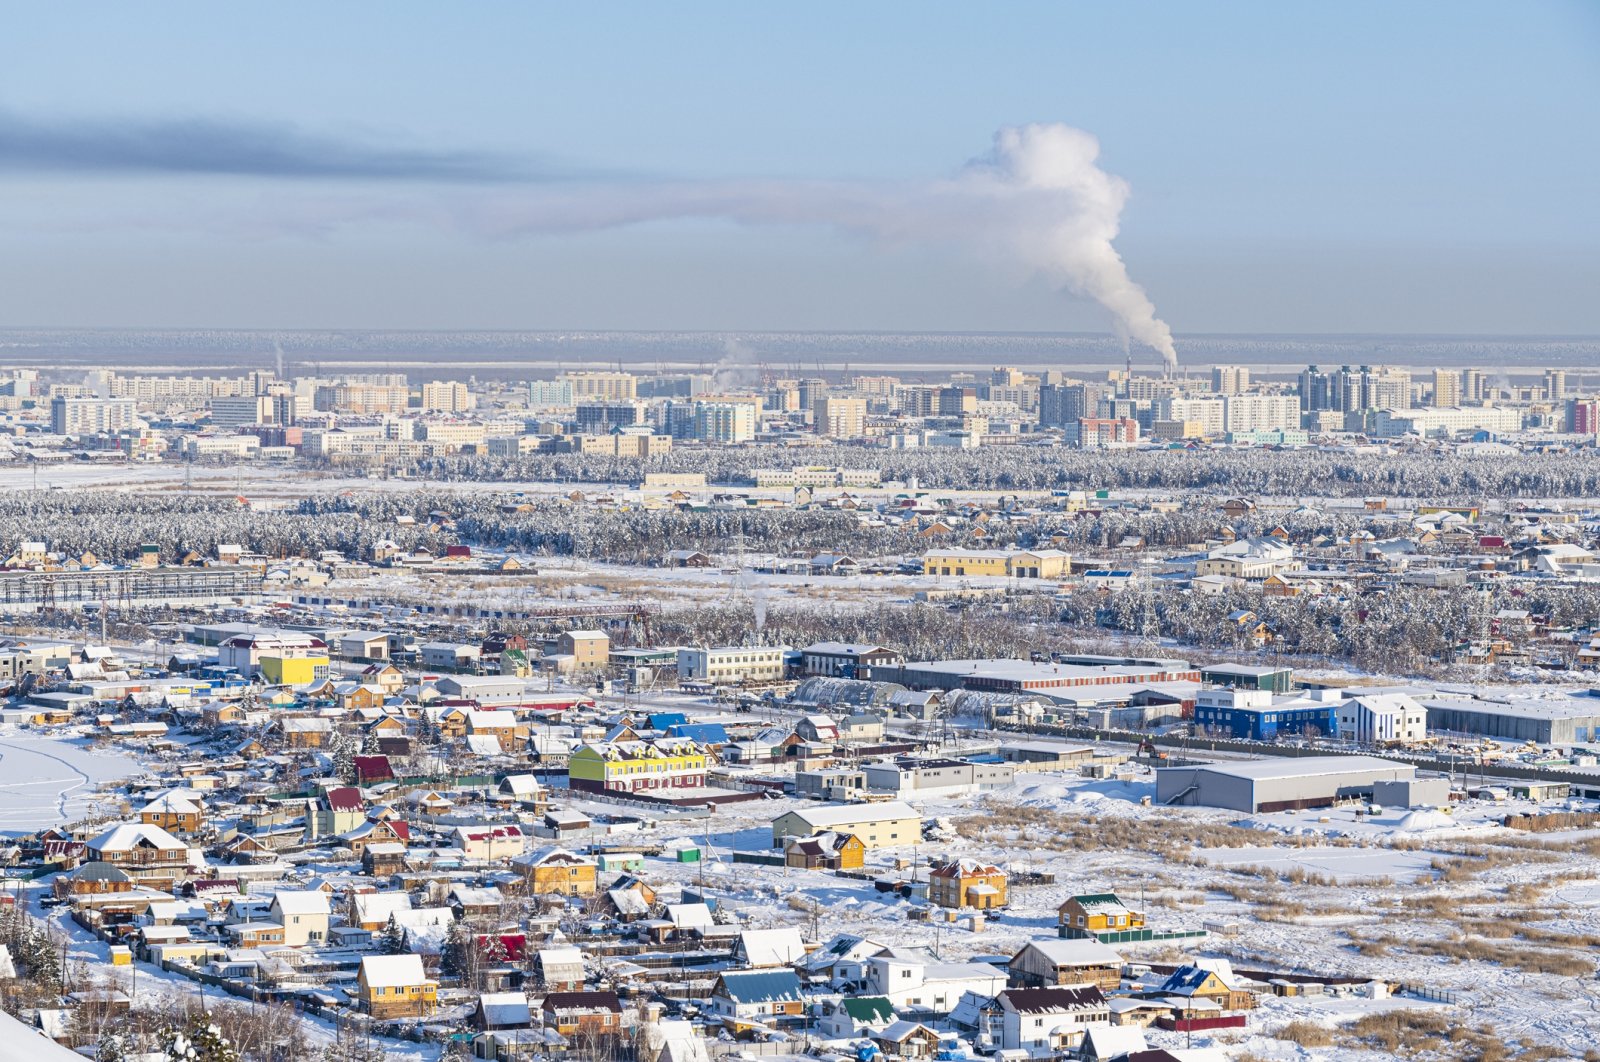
1305, 891
45, 779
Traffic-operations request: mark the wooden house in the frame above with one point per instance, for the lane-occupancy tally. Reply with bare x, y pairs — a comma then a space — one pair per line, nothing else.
583, 1014
824, 851
967, 883
1047, 963
1096, 913
395, 986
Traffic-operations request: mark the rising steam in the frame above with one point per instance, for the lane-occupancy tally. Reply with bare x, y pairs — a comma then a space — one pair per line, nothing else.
1037, 198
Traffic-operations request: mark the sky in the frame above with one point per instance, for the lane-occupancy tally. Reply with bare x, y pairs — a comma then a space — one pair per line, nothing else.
1425, 167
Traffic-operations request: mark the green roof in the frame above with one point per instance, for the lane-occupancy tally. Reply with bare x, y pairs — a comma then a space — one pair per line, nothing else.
868, 1008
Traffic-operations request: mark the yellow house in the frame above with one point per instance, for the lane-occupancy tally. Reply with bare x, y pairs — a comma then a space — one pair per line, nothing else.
1098, 913
557, 870
967, 883
1017, 564
638, 766
294, 670
395, 986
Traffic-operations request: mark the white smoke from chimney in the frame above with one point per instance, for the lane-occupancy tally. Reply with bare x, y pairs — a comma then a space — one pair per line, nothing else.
1071, 214
1038, 198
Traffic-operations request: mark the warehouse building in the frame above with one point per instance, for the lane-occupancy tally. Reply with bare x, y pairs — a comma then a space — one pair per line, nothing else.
1282, 784
1568, 722
1070, 678
886, 825
1249, 677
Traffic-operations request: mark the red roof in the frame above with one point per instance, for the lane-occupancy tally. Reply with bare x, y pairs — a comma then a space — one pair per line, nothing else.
515, 944
373, 768
348, 797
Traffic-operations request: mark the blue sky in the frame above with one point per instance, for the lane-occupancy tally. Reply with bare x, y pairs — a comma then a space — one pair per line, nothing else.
1351, 167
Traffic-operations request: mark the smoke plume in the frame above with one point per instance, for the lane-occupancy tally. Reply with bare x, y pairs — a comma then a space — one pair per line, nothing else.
1037, 198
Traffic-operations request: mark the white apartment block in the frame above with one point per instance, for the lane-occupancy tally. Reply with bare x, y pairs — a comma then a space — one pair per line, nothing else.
1242, 413
731, 663
1209, 413
610, 386
90, 416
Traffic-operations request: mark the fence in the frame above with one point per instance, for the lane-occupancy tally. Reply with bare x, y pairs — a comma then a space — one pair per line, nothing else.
1437, 995
762, 859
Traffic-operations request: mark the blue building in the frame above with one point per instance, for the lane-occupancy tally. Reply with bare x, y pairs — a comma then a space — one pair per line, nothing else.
1252, 715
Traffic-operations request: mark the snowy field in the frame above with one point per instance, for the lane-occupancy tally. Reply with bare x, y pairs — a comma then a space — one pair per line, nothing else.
50, 780
1315, 892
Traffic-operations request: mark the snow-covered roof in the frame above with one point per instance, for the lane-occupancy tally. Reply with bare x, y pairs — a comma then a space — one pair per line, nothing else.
770, 947
392, 971
297, 902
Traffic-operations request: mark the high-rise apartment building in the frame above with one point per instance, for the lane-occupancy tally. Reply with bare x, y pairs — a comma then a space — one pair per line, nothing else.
842, 418
231, 414
1230, 379
919, 401
957, 400
549, 394
1472, 386
1555, 384
446, 396
1583, 416
596, 418
811, 391
90, 416
1246, 413
1318, 390
728, 423
601, 386
1446, 388
1064, 404
1209, 413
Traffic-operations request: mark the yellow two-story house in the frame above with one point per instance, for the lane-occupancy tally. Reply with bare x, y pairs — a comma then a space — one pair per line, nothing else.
638, 767
395, 986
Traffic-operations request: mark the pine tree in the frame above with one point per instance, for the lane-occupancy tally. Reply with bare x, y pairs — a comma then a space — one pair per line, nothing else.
453, 956
344, 761
110, 1048
197, 1040
393, 940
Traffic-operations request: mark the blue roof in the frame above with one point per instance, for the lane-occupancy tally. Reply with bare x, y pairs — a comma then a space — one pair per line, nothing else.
761, 986
663, 720
704, 733
1185, 979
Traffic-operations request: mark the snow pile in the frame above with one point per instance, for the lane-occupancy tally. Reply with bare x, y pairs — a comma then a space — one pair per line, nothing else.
1041, 794
1426, 819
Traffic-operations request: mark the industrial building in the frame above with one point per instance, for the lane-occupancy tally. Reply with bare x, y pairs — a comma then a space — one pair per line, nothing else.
31, 591
1282, 784
1249, 677
1023, 676
886, 825
1252, 714
1567, 722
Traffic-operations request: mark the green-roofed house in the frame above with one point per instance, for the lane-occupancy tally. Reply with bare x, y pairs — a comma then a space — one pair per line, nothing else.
1100, 912
851, 1019
514, 662
1104, 917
